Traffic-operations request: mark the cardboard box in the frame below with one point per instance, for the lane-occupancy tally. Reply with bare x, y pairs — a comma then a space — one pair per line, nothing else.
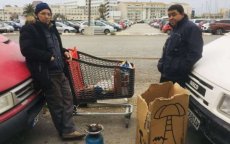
162, 114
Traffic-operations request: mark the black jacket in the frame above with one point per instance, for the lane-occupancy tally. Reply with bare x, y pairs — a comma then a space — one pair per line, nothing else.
33, 45
181, 51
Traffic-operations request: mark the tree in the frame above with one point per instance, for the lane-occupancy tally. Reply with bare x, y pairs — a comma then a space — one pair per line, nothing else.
102, 11
59, 16
14, 16
28, 10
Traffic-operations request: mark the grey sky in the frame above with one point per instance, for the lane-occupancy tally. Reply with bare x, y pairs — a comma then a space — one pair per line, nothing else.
199, 5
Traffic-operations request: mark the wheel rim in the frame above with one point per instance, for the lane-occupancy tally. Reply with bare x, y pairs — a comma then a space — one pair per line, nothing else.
106, 31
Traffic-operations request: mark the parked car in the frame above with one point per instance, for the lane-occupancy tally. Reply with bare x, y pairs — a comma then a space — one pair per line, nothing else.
62, 28
197, 21
98, 26
166, 28
162, 22
156, 23
123, 24
205, 27
72, 24
116, 26
220, 26
15, 25
210, 92
5, 27
20, 104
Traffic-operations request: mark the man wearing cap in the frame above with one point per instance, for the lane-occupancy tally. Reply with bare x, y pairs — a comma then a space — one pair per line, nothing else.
41, 45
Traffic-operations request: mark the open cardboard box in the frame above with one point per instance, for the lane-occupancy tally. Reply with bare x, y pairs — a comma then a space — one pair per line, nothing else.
162, 114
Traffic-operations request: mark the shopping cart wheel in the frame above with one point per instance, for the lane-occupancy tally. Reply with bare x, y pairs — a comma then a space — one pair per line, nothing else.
127, 119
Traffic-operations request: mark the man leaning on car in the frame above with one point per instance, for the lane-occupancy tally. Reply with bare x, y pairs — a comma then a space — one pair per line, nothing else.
182, 49
41, 44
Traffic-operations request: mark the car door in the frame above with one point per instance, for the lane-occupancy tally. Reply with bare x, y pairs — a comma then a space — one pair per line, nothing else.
99, 27
2, 29
228, 25
59, 27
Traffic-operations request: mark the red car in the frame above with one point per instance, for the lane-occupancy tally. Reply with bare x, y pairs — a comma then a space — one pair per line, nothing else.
20, 104
166, 28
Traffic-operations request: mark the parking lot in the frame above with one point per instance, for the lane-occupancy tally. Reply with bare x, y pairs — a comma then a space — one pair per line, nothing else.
139, 44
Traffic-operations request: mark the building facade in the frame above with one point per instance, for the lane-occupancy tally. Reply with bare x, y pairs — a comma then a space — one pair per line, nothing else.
137, 11
10, 12
112, 11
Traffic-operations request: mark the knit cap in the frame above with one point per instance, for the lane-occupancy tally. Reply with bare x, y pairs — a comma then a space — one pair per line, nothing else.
41, 6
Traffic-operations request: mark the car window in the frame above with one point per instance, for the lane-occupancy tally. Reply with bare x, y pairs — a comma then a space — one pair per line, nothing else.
99, 24
57, 24
85, 23
198, 21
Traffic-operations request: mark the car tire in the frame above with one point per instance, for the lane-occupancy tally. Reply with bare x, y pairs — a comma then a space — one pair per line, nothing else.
106, 31
82, 31
66, 31
219, 32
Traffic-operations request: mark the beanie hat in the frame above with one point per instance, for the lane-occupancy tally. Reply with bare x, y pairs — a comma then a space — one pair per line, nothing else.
41, 6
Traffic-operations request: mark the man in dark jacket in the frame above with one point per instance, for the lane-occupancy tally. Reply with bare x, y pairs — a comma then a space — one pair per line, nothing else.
182, 49
41, 45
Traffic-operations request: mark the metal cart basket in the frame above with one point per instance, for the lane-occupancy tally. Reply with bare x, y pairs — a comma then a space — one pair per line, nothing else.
93, 78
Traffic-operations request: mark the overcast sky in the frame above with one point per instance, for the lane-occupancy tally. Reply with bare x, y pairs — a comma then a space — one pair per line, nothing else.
199, 6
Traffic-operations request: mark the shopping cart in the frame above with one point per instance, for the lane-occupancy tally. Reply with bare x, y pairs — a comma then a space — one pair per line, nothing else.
93, 78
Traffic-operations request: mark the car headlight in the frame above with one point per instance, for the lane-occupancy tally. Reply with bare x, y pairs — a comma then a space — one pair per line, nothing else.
225, 105
6, 102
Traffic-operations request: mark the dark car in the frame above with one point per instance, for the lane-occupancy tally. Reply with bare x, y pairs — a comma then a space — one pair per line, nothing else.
72, 24
219, 27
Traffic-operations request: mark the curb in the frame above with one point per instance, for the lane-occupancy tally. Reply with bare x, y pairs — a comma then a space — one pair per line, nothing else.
9, 33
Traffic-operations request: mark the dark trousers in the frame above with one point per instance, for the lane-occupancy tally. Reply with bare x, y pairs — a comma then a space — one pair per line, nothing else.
181, 82
60, 103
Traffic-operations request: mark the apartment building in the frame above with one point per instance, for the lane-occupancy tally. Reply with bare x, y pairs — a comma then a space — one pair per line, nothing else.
71, 12
115, 10
95, 5
10, 11
225, 12
112, 10
137, 11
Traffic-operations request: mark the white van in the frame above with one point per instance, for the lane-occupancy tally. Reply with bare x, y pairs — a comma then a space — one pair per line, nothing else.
209, 85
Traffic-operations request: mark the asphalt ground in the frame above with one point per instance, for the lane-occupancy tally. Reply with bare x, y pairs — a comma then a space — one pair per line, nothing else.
139, 44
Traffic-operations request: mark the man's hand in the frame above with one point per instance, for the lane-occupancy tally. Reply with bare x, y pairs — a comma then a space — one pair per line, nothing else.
68, 56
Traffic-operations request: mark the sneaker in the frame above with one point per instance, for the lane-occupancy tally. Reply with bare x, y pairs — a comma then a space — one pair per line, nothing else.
73, 135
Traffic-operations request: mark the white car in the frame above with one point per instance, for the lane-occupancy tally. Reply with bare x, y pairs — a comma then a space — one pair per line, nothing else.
5, 27
98, 26
206, 27
209, 84
62, 28
197, 21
